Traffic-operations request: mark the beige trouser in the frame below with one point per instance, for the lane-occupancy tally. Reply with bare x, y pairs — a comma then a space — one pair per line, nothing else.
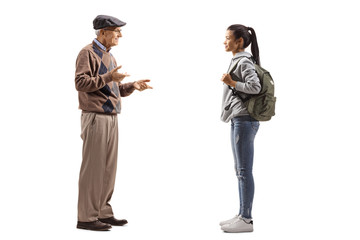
98, 169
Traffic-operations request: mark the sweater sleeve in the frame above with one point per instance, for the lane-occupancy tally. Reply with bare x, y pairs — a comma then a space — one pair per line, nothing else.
86, 77
126, 89
251, 84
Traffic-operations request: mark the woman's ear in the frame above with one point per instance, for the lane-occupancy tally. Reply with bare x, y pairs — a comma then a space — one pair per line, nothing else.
240, 43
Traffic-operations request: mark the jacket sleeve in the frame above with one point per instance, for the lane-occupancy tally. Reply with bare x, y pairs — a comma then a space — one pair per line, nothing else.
86, 74
251, 83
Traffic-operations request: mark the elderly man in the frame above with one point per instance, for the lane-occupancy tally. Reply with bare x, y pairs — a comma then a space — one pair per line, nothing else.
99, 86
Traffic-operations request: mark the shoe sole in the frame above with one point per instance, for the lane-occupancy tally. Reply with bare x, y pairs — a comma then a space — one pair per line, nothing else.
238, 231
85, 228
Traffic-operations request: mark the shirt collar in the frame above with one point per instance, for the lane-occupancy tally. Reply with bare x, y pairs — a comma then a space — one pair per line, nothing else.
100, 45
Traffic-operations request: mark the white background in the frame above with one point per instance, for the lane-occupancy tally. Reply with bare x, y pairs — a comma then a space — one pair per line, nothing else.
175, 176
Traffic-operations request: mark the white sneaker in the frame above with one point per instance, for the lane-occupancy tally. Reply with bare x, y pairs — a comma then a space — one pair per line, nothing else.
229, 221
238, 225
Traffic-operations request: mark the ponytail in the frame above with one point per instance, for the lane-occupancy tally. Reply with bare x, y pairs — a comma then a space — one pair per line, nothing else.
254, 46
249, 36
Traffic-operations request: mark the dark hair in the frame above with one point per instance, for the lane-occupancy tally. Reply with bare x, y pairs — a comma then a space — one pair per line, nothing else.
240, 31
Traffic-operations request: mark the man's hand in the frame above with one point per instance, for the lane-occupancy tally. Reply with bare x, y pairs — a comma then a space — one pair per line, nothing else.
141, 85
118, 77
226, 78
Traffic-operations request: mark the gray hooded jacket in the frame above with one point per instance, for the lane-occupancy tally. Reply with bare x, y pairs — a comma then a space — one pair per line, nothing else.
249, 83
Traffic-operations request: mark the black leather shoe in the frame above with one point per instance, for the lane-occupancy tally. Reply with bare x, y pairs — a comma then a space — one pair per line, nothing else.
113, 221
95, 226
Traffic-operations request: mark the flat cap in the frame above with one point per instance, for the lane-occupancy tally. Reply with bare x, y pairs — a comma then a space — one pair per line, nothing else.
103, 21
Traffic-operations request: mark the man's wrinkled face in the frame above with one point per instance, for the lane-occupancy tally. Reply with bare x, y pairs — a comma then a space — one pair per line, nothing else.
111, 36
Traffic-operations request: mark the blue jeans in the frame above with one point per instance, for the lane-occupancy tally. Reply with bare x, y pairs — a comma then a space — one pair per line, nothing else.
243, 131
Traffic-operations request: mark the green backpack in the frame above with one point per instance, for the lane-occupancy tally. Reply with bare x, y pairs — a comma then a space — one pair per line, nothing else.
260, 106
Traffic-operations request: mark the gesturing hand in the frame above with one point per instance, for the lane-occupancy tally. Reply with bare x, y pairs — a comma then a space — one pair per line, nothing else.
118, 77
141, 85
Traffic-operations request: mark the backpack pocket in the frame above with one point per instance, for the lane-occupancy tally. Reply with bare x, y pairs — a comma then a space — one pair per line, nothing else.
262, 107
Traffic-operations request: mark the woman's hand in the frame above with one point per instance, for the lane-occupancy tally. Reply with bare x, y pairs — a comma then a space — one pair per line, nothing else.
226, 78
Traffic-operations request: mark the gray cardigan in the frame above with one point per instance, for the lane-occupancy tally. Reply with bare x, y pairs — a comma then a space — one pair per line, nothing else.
249, 83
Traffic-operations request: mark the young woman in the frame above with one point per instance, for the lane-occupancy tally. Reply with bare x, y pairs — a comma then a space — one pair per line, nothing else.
240, 82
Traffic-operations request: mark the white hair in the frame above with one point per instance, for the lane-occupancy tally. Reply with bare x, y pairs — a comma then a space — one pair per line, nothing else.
97, 32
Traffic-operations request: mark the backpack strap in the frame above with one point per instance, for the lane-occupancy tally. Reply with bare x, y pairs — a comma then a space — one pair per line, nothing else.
234, 66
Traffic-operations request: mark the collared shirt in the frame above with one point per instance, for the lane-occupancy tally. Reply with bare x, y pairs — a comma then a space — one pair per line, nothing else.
100, 45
